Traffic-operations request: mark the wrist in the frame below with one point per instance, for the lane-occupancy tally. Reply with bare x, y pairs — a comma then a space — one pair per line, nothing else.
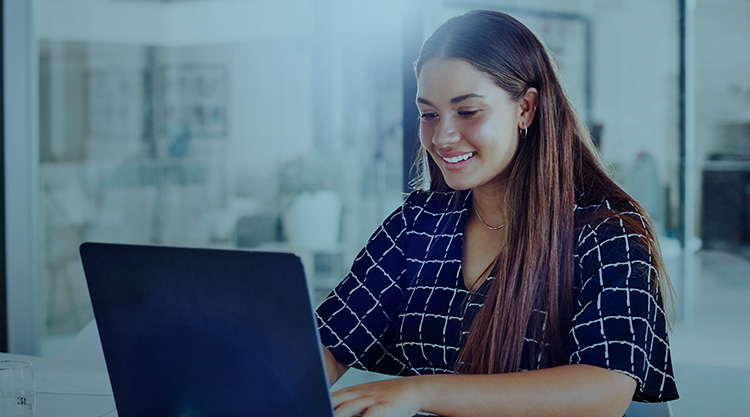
425, 389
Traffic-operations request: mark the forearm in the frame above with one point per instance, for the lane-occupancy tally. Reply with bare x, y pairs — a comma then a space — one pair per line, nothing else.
334, 369
570, 390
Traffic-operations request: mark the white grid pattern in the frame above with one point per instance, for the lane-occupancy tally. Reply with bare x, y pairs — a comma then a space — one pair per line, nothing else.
403, 309
620, 324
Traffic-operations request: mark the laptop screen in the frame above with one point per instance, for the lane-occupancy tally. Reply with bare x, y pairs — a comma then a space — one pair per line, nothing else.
204, 332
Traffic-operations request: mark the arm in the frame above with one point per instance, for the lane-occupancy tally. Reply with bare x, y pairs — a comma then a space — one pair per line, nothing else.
356, 320
568, 390
334, 369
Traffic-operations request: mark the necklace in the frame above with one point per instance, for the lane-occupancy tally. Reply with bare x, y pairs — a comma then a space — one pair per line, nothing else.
485, 223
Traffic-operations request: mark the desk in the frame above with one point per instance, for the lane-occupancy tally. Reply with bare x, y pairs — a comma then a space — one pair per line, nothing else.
67, 389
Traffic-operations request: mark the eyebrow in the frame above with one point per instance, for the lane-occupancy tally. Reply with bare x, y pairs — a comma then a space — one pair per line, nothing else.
454, 100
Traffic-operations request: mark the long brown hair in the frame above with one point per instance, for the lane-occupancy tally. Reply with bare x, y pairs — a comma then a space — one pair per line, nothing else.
556, 164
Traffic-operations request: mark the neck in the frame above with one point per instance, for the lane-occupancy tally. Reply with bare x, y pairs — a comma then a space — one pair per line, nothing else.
488, 201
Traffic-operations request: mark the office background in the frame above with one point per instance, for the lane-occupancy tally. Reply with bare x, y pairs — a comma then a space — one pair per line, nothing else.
290, 125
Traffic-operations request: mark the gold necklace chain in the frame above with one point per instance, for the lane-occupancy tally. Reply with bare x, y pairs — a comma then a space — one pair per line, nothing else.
485, 223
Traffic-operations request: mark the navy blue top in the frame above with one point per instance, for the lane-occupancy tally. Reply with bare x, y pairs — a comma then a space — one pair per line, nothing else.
404, 309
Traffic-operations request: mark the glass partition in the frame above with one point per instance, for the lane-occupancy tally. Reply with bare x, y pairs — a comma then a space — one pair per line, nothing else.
715, 339
244, 125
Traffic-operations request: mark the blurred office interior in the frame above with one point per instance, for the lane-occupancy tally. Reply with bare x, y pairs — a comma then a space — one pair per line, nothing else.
290, 126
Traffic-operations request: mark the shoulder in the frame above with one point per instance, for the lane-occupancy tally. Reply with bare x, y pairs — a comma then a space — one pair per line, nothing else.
605, 221
610, 240
430, 199
434, 202
430, 213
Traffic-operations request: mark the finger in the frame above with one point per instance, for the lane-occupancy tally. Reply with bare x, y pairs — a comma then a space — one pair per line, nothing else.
344, 395
376, 411
384, 410
350, 408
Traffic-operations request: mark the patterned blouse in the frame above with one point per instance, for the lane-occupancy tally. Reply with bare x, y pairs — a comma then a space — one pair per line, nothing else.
404, 309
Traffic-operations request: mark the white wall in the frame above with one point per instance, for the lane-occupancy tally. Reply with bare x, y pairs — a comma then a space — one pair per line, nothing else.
722, 73
636, 69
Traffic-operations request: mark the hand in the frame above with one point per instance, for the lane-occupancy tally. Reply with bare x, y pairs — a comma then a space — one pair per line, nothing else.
390, 398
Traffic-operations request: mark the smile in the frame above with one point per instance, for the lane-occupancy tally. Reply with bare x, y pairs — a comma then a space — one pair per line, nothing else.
459, 158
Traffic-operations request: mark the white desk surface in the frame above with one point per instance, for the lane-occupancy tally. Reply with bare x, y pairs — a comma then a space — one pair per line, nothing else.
68, 389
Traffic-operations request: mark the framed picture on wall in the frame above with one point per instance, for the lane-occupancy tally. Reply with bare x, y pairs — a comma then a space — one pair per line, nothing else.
114, 103
192, 98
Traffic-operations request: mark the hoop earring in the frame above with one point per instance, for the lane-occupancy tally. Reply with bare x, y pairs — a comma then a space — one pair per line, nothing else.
523, 132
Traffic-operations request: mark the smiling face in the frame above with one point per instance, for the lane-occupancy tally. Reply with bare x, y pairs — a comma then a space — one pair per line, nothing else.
468, 124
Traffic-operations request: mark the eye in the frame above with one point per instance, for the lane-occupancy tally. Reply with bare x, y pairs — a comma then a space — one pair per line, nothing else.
428, 116
469, 113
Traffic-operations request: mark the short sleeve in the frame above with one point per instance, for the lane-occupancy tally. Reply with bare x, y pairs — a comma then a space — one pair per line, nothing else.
357, 319
620, 324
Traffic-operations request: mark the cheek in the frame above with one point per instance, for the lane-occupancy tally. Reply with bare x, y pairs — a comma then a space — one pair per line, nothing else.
426, 132
502, 137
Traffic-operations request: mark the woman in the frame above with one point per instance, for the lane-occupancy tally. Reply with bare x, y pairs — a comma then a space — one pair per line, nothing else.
519, 254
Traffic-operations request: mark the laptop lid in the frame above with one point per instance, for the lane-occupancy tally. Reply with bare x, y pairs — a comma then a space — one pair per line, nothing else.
205, 332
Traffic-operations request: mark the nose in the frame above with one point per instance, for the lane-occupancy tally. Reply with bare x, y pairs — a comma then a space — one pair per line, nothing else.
445, 133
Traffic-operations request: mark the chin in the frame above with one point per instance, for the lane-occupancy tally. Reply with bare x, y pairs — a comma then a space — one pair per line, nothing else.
458, 185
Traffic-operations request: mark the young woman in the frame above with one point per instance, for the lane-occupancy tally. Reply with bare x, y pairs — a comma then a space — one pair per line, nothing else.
518, 253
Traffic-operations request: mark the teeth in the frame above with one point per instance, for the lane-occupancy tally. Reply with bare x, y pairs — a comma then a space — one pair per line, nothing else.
459, 158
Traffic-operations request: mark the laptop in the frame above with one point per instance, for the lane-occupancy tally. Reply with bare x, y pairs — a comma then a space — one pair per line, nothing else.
204, 332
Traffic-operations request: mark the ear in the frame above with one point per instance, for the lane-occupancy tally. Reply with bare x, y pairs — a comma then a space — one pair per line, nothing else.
527, 107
